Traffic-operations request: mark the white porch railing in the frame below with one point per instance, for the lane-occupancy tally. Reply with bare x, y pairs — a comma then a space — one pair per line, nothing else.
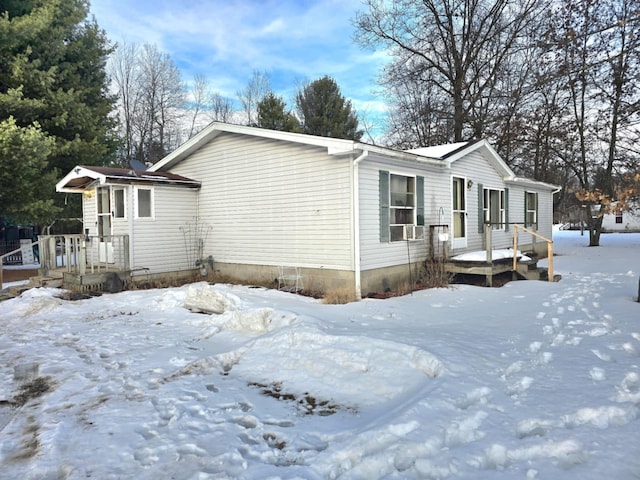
82, 254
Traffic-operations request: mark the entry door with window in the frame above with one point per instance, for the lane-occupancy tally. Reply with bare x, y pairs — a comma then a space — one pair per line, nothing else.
105, 245
459, 213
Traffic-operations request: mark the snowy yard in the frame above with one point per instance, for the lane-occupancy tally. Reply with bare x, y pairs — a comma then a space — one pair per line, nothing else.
533, 380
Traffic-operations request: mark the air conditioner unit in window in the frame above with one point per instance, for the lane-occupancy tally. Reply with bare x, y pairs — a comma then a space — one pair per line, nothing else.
413, 232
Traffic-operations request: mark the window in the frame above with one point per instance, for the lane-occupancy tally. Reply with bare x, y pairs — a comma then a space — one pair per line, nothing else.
530, 209
618, 217
144, 198
459, 208
118, 200
401, 207
493, 207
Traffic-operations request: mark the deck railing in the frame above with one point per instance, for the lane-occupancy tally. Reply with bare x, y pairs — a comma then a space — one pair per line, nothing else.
534, 236
83, 254
12, 255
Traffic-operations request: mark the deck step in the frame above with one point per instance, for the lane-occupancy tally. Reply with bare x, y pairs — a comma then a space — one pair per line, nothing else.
45, 281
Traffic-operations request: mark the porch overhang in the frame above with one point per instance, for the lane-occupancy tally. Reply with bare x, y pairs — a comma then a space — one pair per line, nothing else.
81, 179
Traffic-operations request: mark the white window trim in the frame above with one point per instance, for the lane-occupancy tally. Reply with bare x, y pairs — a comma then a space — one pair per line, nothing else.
137, 206
414, 208
460, 242
529, 210
501, 210
124, 202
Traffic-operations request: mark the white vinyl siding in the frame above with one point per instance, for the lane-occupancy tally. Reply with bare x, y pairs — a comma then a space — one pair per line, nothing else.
435, 208
274, 203
167, 242
481, 175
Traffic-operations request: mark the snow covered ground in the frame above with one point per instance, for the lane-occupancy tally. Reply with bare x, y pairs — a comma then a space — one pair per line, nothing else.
533, 380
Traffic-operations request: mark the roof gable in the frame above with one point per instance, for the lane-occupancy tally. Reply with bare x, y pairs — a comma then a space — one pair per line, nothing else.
334, 146
455, 151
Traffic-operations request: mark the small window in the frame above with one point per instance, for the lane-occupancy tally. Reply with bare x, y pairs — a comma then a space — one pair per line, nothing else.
494, 208
402, 205
459, 208
144, 198
618, 217
530, 209
118, 200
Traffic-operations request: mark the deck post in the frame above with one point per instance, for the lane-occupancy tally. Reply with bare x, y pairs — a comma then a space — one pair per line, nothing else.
82, 260
488, 242
515, 248
550, 261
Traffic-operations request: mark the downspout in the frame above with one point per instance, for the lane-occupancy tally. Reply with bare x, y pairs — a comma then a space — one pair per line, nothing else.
356, 222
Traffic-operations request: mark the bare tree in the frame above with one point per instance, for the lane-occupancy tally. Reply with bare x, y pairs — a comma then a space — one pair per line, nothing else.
221, 108
123, 70
257, 87
151, 98
199, 95
598, 47
453, 50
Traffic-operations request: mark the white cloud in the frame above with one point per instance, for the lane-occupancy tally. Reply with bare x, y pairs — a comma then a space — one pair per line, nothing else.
293, 40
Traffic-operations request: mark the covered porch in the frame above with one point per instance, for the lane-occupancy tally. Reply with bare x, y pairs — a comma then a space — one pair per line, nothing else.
84, 262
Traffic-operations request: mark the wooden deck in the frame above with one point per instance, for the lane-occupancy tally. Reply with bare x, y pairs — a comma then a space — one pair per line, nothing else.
528, 270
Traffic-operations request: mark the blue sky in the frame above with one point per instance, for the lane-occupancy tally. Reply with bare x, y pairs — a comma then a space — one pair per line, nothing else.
226, 40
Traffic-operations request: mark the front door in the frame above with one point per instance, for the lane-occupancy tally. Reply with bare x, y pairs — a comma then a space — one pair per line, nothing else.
105, 245
459, 213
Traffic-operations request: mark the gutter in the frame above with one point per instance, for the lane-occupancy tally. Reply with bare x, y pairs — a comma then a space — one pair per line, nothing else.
356, 221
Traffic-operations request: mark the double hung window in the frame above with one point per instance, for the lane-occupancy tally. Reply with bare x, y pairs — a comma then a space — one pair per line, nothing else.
530, 209
493, 206
402, 205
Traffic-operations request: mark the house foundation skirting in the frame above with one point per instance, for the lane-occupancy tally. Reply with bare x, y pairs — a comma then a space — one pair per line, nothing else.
390, 279
313, 280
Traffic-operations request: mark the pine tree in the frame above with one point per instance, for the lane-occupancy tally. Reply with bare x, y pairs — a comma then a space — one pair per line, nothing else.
273, 114
325, 112
52, 73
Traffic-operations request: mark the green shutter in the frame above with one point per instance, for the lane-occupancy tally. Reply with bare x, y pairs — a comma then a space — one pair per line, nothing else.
384, 205
420, 200
480, 210
506, 209
526, 225
537, 212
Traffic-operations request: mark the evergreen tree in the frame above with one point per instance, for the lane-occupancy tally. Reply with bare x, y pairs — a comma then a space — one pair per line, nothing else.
25, 192
325, 112
52, 71
272, 114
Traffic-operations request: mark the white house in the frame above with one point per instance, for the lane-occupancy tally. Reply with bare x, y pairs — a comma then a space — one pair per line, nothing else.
341, 213
623, 221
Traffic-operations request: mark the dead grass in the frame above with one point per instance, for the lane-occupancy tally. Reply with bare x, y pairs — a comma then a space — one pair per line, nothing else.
339, 296
306, 404
434, 275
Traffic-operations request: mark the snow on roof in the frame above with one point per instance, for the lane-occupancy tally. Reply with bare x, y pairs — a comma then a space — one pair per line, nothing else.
438, 151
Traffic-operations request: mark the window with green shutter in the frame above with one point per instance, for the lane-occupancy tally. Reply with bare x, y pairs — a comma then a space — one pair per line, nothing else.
401, 207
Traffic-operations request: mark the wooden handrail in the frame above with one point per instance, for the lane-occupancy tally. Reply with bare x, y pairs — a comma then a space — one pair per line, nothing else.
535, 234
